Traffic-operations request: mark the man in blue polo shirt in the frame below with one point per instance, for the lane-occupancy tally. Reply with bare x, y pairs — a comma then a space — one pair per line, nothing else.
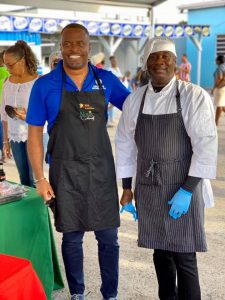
73, 100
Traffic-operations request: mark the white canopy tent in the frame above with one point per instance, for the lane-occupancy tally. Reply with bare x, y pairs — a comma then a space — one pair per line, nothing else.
91, 6
85, 5
63, 8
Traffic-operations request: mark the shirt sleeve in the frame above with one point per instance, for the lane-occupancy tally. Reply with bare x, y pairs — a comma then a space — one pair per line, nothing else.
36, 112
201, 128
126, 150
118, 92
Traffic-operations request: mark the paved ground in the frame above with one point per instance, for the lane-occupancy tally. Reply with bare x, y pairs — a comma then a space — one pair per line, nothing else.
137, 276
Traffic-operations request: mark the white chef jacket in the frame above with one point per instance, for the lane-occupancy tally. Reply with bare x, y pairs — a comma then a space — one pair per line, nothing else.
199, 121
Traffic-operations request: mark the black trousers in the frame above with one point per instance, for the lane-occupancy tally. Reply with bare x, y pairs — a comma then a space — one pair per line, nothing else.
183, 266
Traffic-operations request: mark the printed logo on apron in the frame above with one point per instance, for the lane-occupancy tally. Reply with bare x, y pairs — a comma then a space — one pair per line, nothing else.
86, 112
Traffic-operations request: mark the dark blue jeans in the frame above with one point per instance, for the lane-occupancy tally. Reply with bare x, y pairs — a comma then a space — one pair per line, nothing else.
108, 256
19, 151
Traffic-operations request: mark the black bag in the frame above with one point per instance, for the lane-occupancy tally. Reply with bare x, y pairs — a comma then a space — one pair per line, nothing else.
10, 111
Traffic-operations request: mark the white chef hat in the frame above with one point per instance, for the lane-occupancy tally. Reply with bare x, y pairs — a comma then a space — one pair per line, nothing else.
97, 58
157, 44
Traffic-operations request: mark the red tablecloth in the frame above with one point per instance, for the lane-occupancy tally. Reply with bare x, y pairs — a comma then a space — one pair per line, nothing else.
18, 280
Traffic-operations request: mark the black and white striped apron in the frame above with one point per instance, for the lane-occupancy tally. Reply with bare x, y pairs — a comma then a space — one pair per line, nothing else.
163, 162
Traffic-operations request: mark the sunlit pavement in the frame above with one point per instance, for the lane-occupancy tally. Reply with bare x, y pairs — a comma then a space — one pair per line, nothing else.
137, 276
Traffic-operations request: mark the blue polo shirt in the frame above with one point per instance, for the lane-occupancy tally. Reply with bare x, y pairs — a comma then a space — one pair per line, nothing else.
45, 97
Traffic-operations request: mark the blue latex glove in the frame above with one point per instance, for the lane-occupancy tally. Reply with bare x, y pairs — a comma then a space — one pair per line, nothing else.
180, 203
131, 209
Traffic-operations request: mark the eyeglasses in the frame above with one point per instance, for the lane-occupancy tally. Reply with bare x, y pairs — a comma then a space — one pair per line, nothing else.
13, 64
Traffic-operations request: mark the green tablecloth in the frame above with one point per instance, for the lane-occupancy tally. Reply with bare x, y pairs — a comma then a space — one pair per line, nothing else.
25, 231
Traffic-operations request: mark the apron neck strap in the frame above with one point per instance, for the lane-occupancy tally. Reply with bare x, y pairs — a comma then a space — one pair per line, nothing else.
96, 77
97, 80
143, 100
179, 109
63, 78
94, 72
100, 89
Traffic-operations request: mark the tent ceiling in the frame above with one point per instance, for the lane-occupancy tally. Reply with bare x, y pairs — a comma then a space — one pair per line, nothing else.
86, 5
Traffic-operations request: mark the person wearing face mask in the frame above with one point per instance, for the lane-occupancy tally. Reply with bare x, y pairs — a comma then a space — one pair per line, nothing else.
167, 138
22, 66
73, 99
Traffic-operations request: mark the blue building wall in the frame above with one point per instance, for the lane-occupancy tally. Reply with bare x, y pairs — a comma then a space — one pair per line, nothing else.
181, 46
215, 17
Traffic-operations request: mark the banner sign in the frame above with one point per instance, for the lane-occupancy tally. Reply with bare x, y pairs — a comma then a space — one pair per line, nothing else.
175, 31
41, 25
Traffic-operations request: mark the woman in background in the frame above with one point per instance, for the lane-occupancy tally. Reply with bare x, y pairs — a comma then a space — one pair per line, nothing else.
141, 78
219, 91
22, 66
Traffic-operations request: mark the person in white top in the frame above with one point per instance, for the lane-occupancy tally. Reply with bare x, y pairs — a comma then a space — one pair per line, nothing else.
22, 65
167, 138
114, 67
116, 71
218, 90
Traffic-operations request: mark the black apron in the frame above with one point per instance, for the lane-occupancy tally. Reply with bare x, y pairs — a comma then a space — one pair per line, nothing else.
163, 162
82, 171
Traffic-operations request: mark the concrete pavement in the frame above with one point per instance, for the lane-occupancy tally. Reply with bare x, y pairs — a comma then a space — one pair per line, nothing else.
137, 275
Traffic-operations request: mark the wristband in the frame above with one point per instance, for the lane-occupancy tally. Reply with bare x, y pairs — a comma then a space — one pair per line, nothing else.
38, 180
127, 183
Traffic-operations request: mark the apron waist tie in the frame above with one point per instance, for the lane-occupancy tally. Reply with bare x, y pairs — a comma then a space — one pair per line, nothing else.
153, 171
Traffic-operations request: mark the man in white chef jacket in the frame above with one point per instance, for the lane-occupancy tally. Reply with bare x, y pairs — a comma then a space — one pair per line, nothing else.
167, 138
